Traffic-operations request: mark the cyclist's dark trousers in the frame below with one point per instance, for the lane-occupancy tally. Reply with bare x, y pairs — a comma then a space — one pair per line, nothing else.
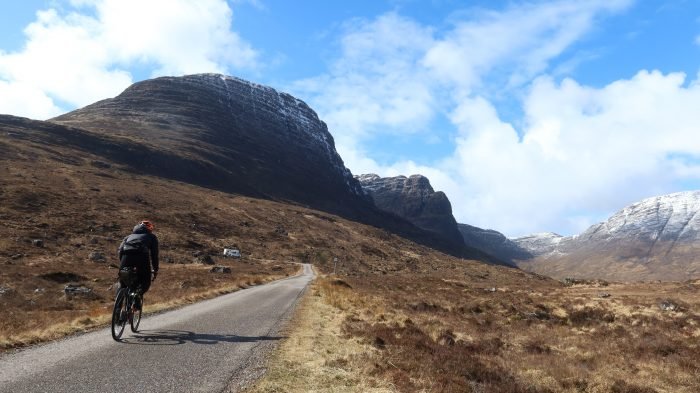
143, 266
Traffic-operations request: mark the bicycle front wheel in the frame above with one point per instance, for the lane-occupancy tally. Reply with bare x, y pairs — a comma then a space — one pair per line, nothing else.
119, 314
135, 319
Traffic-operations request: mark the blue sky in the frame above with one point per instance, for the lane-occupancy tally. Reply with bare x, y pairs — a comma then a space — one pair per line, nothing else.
531, 115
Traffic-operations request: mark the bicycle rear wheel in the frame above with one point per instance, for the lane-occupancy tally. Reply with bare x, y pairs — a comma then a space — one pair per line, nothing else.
135, 319
119, 314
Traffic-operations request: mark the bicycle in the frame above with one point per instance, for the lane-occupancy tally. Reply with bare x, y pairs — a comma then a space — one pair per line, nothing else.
125, 309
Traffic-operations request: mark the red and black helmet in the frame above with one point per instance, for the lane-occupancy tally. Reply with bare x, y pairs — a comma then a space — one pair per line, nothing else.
149, 225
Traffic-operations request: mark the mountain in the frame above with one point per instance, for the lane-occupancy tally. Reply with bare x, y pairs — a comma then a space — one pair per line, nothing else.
224, 134
654, 239
493, 243
228, 134
414, 199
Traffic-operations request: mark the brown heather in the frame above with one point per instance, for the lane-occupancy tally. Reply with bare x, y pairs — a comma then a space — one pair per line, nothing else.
446, 335
452, 332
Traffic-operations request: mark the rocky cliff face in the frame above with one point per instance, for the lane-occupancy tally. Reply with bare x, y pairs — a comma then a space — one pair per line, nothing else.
414, 199
657, 238
493, 243
244, 137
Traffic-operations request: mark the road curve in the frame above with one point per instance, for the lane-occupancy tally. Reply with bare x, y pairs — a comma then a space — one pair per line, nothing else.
211, 346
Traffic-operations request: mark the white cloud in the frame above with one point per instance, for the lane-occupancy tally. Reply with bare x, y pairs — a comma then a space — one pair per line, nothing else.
383, 82
393, 75
515, 44
75, 58
583, 150
181, 36
377, 81
16, 98
63, 60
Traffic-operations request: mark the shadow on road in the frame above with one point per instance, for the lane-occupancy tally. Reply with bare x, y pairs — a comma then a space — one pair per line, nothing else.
177, 337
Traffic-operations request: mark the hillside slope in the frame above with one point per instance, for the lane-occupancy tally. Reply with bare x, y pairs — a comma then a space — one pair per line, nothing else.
67, 197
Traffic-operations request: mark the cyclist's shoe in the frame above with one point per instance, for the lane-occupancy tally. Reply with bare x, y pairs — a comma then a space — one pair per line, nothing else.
138, 303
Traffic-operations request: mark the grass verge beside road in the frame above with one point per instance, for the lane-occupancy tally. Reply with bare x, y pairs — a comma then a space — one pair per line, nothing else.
318, 356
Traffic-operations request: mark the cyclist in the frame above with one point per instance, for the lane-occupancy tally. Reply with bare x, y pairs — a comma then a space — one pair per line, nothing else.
140, 250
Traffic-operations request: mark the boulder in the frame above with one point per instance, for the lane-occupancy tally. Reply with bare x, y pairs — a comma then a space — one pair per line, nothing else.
669, 305
220, 269
72, 291
97, 257
100, 164
204, 259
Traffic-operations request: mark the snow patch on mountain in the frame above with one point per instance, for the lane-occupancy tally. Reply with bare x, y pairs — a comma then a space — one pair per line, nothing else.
667, 218
540, 243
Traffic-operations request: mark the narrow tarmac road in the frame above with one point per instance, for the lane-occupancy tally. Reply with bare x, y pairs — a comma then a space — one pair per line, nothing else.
212, 346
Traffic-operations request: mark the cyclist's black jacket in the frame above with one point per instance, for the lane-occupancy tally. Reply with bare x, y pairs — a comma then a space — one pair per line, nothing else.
149, 240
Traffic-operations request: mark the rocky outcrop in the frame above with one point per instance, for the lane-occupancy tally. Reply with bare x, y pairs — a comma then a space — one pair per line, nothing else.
493, 243
657, 238
414, 199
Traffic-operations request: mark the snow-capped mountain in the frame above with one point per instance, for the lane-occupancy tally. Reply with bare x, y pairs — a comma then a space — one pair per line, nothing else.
668, 218
656, 238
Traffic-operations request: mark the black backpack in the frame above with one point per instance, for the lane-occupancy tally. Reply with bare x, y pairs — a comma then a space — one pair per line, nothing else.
134, 246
